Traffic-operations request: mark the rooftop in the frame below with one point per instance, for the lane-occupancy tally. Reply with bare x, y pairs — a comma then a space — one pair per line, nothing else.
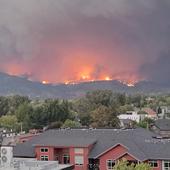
139, 142
163, 124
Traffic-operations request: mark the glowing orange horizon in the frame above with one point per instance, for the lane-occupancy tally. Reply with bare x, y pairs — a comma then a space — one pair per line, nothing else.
129, 83
85, 73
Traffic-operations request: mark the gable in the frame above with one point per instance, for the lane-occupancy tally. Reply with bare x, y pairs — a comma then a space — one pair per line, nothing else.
128, 157
114, 152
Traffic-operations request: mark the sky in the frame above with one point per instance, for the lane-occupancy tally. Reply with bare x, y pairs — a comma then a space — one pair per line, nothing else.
78, 40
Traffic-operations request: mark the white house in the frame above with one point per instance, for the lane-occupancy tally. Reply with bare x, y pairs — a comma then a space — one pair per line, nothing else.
132, 115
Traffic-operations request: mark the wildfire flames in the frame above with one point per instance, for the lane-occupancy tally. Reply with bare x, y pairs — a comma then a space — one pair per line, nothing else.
87, 78
84, 41
85, 74
45, 82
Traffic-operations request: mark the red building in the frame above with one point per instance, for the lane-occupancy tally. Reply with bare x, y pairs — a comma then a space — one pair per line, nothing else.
97, 148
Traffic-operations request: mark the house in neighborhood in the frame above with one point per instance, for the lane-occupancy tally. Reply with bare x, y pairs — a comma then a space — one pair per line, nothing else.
131, 115
150, 113
97, 149
162, 111
162, 127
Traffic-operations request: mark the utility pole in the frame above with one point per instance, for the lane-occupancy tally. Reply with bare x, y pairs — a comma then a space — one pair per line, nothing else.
21, 128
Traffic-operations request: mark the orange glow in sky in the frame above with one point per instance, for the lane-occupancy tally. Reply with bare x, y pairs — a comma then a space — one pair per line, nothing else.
86, 74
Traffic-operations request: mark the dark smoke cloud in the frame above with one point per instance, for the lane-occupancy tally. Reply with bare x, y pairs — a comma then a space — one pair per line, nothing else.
159, 70
57, 39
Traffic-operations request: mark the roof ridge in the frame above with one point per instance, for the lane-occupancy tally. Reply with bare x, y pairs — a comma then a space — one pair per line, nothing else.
139, 148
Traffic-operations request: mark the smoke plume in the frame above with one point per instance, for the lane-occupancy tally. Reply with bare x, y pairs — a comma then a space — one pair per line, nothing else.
67, 40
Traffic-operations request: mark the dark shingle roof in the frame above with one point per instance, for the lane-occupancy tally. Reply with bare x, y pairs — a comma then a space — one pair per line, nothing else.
25, 150
163, 124
139, 142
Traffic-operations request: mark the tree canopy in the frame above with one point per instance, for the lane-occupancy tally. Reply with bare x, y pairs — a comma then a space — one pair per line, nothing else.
96, 109
124, 165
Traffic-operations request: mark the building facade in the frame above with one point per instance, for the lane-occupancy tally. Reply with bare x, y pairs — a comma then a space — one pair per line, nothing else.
132, 115
97, 149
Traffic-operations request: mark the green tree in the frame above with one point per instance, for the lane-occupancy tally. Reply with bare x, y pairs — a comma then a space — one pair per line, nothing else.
121, 98
23, 115
71, 124
15, 101
56, 110
48, 112
55, 125
23, 111
124, 109
83, 108
145, 123
38, 118
95, 106
4, 105
100, 97
104, 117
9, 122
137, 101
124, 165
143, 166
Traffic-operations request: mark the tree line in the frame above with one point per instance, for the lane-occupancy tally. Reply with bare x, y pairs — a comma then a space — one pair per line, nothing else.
96, 109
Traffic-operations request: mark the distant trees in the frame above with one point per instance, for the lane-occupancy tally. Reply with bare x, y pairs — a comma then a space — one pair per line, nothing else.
71, 124
96, 109
32, 114
47, 113
8, 105
9, 122
104, 116
4, 106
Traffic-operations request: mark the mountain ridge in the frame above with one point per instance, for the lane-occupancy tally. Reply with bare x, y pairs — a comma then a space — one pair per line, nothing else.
16, 85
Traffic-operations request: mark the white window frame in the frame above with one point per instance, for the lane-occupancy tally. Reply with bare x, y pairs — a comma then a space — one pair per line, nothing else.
44, 158
111, 161
78, 150
79, 163
166, 168
152, 162
44, 150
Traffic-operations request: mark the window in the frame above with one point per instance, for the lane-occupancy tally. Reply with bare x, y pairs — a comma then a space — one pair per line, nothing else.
110, 164
166, 165
44, 158
153, 163
44, 149
78, 150
66, 159
79, 160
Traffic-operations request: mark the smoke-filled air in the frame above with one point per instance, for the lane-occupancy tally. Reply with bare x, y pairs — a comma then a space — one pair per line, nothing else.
55, 41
